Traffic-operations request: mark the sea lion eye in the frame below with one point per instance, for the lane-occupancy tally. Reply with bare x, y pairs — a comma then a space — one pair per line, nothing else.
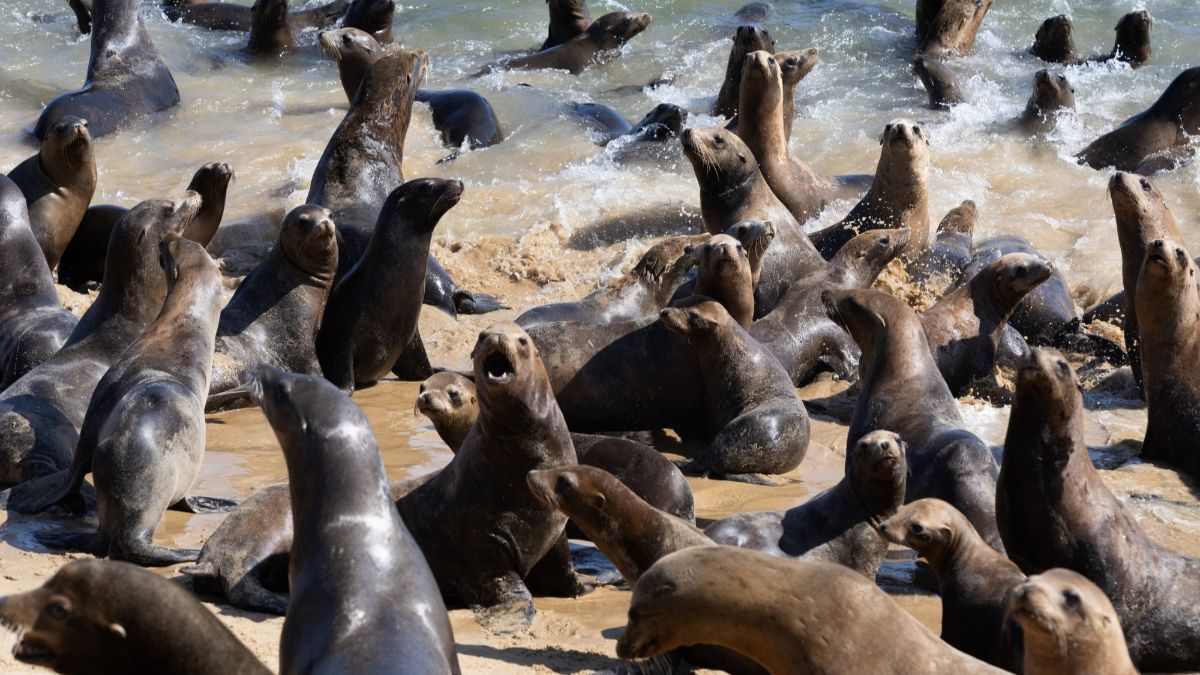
564, 484
916, 528
719, 140
58, 610
346, 38
1063, 368
455, 397
886, 240
1145, 184
1072, 599
523, 341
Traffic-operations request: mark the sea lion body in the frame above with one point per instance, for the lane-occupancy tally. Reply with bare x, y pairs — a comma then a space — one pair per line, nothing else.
949, 27
747, 39
1046, 312
940, 83
1051, 94
462, 117
601, 41
228, 16
371, 16
665, 121
568, 19
950, 252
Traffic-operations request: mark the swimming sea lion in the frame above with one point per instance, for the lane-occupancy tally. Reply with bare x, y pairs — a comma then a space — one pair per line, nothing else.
753, 12
950, 253
1051, 93
229, 16
1054, 510
949, 26
126, 76
940, 83
568, 19
462, 116
108, 618
58, 184
371, 16
747, 39
663, 122
1133, 40
600, 42
974, 580
350, 548
1054, 41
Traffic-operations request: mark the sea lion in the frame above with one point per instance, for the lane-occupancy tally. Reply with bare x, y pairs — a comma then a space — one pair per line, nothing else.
898, 197
126, 76
82, 262
602, 41
58, 184
477, 522
950, 253
902, 390
1054, 510
568, 19
1069, 625
270, 34
753, 13
353, 50
949, 26
794, 66
1054, 41
462, 117
1162, 128
1133, 40
33, 323
747, 39
350, 548
229, 16
974, 580
371, 16
1051, 94
1047, 313
108, 618
724, 275
44, 409
696, 595
274, 314
940, 83
839, 524
662, 123
965, 328
370, 323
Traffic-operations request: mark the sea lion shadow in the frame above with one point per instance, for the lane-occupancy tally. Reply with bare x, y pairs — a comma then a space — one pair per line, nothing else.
549, 657
657, 221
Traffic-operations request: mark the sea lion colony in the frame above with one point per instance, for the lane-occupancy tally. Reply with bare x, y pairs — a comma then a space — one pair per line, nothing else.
557, 428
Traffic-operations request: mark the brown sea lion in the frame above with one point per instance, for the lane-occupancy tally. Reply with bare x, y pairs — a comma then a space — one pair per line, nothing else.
974, 580
903, 391
839, 524
1054, 41
1070, 627
700, 594
1047, 314
568, 19
99, 617
793, 67
1054, 510
950, 253
350, 549
949, 26
601, 42
746, 40
965, 328
898, 197
940, 83
724, 274
1051, 94
229, 16
1133, 40
1162, 128
58, 183
33, 323
371, 16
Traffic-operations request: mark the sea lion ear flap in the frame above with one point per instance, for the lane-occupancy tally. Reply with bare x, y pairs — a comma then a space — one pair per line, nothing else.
117, 630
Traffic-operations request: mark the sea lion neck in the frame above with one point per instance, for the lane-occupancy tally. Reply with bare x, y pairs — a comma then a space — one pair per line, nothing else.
116, 29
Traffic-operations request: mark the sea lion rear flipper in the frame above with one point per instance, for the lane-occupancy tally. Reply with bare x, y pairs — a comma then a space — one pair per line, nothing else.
203, 505
554, 575
85, 542
504, 605
63, 489
142, 552
468, 302
230, 399
413, 364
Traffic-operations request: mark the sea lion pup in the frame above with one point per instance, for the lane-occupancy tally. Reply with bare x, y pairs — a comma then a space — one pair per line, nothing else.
350, 548
1163, 128
799, 332
103, 617
126, 77
82, 262
965, 328
58, 183
695, 596
1133, 40
839, 524
1070, 627
973, 579
568, 19
601, 42
898, 197
732, 190
371, 16
940, 83
1047, 314
274, 314
366, 330
903, 391
724, 275
1167, 305
747, 39
1054, 510
949, 26
1051, 93
478, 524
1054, 41
33, 323
950, 252
44, 409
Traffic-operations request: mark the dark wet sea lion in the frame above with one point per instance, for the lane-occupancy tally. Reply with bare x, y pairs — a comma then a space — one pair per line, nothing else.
371, 16
1047, 312
568, 19
83, 261
58, 184
724, 275
1051, 94
747, 39
753, 12
600, 42
108, 618
477, 522
370, 323
1070, 626
663, 122
462, 117
270, 33
1163, 127
350, 548
903, 391
950, 252
839, 524
1054, 41
1054, 510
898, 197
727, 596
1133, 40
949, 26
274, 315
229, 16
974, 579
33, 323
44, 409
940, 83
126, 76
965, 328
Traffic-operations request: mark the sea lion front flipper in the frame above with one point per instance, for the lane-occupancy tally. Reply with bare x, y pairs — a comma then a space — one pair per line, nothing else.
85, 542
554, 575
203, 505
413, 364
504, 605
468, 302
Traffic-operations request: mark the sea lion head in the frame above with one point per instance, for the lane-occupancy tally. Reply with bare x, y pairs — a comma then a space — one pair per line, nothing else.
666, 260
308, 240
756, 237
304, 408
422, 202
760, 72
269, 25
1014, 275
796, 65
866, 314
133, 245
1046, 382
927, 526
509, 374
1181, 100
748, 39
1054, 40
66, 147
665, 121
614, 29
724, 256
1052, 92
1133, 35
905, 140
349, 44
960, 219
699, 318
720, 159
1138, 206
868, 253
448, 400
1167, 269
577, 491
672, 602
1068, 619
212, 179
878, 471
185, 260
